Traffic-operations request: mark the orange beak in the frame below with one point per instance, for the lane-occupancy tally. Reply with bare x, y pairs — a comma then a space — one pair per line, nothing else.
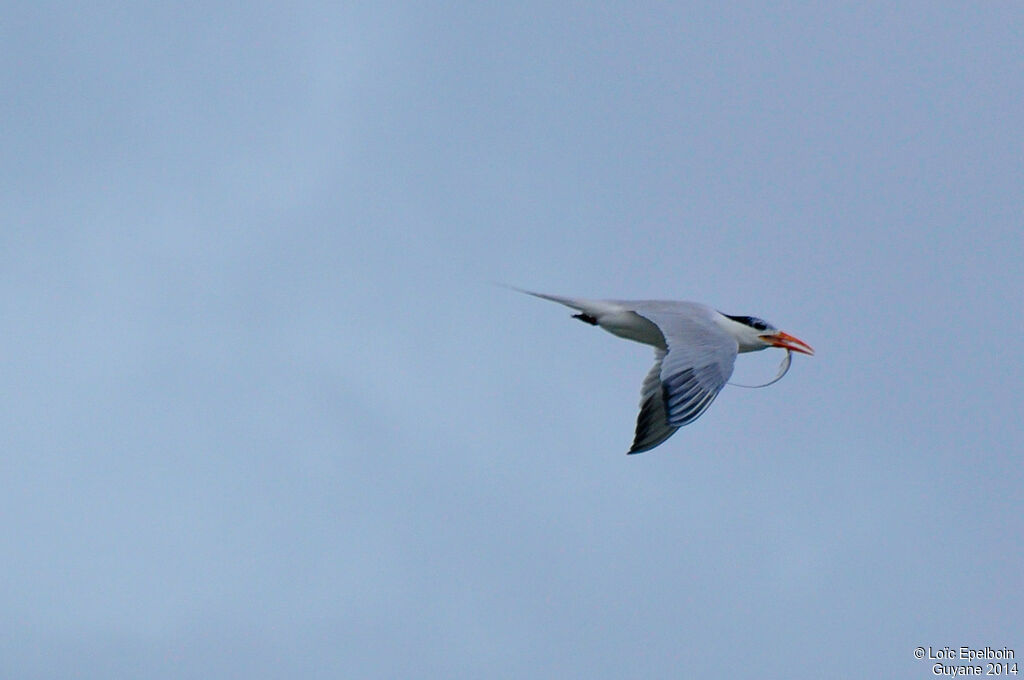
787, 341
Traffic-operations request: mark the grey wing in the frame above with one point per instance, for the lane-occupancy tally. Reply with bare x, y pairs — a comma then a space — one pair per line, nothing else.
687, 377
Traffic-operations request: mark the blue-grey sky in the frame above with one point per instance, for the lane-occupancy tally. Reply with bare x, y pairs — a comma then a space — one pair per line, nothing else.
265, 415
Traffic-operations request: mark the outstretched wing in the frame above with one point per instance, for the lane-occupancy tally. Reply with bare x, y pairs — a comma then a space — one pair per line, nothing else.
687, 376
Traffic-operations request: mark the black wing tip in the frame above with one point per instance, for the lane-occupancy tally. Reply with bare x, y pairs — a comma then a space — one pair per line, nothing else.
640, 446
644, 439
643, 442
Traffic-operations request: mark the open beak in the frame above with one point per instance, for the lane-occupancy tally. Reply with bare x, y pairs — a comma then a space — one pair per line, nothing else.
787, 341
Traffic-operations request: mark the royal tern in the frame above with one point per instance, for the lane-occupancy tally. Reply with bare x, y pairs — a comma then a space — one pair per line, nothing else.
695, 347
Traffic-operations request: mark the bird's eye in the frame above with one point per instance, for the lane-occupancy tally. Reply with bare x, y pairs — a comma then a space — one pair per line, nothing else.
760, 325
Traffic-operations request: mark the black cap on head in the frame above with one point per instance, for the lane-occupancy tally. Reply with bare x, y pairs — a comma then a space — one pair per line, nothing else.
753, 322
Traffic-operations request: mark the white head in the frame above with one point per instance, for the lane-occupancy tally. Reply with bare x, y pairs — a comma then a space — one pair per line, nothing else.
753, 334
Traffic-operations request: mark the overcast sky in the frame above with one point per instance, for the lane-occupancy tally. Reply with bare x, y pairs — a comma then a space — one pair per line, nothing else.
266, 415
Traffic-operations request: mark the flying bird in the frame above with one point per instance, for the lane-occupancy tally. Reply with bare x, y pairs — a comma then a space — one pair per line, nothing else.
695, 347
